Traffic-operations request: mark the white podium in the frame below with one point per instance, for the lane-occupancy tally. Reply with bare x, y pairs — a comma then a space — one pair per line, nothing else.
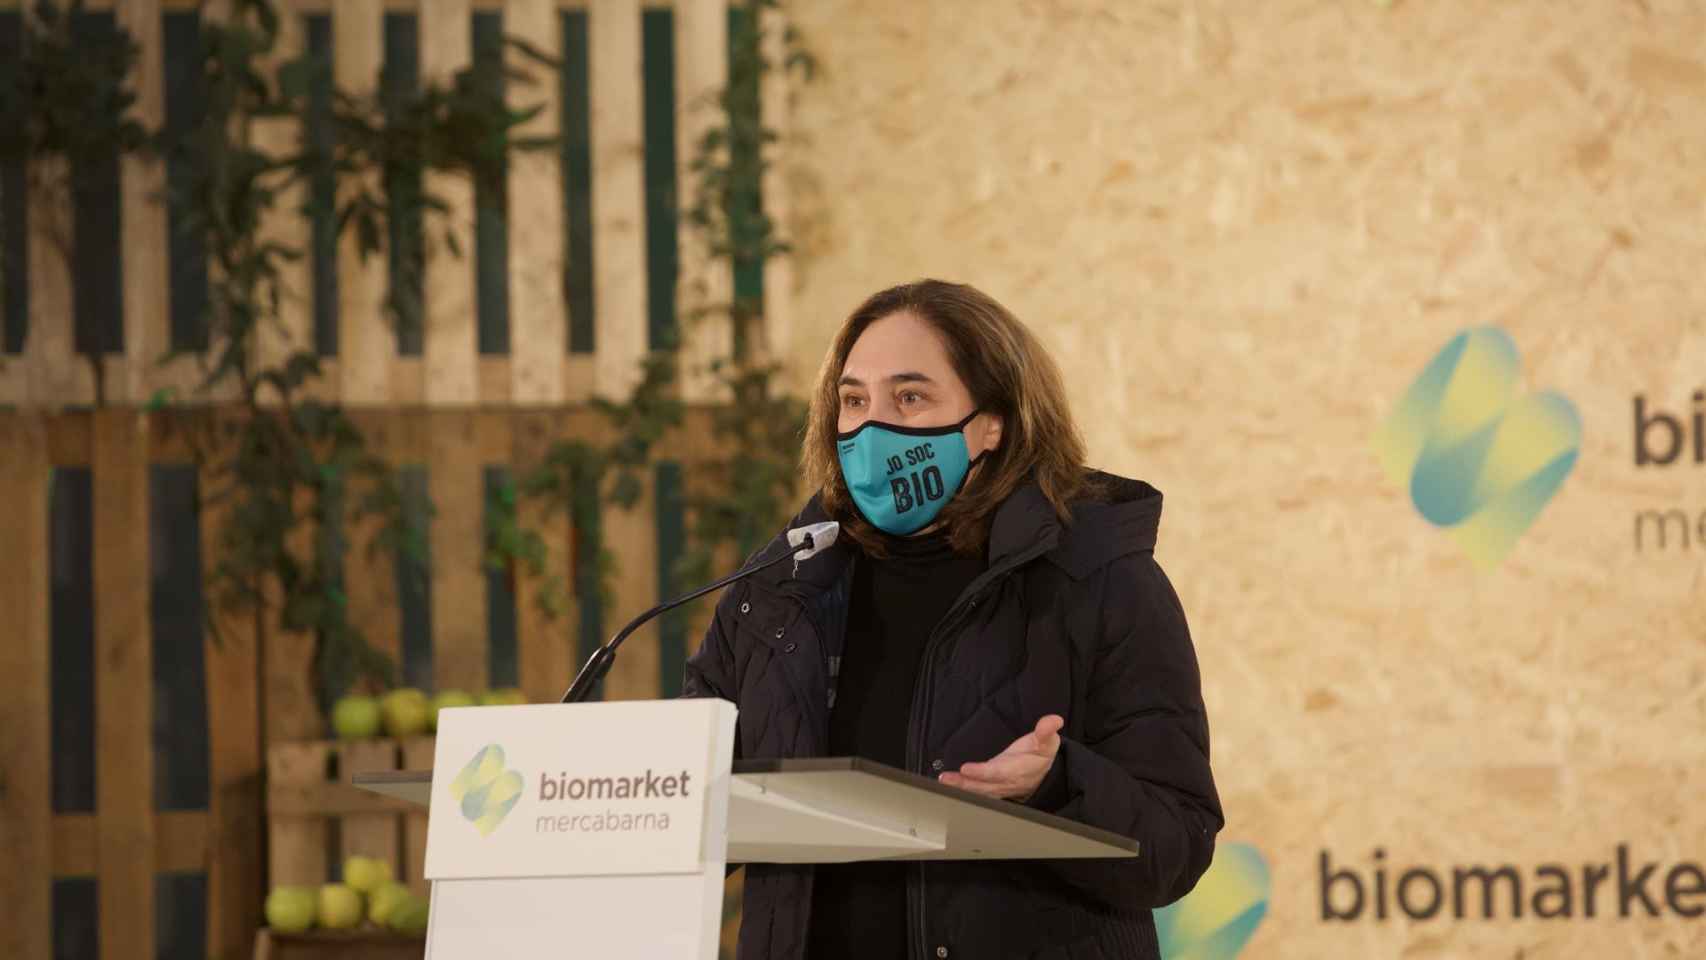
603, 829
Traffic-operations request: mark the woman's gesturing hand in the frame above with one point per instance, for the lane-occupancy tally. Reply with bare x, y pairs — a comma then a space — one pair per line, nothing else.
1015, 772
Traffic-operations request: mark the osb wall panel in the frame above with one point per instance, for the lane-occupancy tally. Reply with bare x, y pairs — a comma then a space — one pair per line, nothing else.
1243, 229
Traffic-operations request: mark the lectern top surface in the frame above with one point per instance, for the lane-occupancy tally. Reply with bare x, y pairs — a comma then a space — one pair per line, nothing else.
835, 809
801, 765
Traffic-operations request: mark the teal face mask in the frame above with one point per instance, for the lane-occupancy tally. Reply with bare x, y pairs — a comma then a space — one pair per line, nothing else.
901, 477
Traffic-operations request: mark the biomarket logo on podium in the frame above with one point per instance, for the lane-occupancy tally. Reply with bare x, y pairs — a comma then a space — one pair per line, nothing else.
1479, 458
602, 804
485, 791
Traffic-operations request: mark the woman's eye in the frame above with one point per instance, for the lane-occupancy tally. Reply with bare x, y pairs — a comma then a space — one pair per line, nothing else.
852, 400
910, 397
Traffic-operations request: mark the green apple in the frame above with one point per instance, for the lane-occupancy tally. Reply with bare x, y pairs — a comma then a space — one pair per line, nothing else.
384, 901
355, 717
446, 698
340, 906
405, 712
410, 916
290, 909
504, 697
366, 874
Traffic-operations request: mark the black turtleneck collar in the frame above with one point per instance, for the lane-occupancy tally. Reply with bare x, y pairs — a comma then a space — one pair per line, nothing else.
916, 552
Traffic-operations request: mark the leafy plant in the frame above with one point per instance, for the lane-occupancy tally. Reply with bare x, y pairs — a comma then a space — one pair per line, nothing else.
67, 97
575, 476
464, 129
293, 472
739, 497
282, 464
288, 463
749, 490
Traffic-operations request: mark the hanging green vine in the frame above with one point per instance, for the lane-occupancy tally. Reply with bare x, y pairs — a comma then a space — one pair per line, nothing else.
66, 99
750, 490
290, 468
464, 129
282, 464
288, 463
740, 497
574, 478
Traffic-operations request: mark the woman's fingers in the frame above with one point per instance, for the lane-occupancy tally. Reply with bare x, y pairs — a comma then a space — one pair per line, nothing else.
1042, 741
1015, 771
1046, 737
1006, 770
988, 788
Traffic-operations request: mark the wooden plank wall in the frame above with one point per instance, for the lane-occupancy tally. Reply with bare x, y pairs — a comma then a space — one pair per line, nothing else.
367, 369
451, 409
235, 725
26, 750
124, 715
256, 694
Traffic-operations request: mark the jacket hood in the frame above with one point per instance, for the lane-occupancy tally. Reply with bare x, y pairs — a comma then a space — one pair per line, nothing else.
1123, 518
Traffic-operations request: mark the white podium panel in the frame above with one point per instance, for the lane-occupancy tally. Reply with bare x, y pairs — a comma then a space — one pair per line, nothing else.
584, 830
621, 918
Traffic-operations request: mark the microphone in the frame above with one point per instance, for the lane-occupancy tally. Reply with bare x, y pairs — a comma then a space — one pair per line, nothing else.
805, 542
816, 536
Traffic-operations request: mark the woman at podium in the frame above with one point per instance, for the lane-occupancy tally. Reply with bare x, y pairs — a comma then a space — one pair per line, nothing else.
992, 615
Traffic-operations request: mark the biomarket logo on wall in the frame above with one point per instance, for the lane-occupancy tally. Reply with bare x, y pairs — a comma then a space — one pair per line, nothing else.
1479, 458
1220, 914
484, 791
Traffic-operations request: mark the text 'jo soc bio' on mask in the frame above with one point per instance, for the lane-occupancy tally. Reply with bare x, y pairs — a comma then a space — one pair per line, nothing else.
900, 478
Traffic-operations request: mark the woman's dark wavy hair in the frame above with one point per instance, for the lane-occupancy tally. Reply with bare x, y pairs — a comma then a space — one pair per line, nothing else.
1008, 372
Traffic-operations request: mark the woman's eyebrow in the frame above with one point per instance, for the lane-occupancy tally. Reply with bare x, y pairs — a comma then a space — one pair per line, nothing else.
909, 376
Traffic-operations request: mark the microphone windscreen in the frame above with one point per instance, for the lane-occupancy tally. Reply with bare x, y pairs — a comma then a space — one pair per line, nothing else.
822, 534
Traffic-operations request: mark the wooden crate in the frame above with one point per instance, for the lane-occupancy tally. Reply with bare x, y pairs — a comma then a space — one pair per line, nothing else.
315, 818
337, 945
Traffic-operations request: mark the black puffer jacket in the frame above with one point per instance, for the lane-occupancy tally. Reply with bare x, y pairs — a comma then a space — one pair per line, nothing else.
1078, 621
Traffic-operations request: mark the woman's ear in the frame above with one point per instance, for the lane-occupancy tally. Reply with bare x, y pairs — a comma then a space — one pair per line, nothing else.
991, 432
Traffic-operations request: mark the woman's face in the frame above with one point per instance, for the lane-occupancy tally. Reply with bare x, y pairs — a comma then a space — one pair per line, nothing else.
899, 372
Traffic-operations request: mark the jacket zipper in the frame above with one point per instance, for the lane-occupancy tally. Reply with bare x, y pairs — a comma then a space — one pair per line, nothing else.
808, 613
918, 722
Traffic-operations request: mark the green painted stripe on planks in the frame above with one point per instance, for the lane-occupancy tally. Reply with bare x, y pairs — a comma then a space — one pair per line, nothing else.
14, 213
413, 562
98, 291
491, 233
745, 202
180, 915
502, 664
322, 186
186, 249
71, 559
585, 566
76, 919
577, 182
399, 82
662, 257
177, 615
331, 543
671, 520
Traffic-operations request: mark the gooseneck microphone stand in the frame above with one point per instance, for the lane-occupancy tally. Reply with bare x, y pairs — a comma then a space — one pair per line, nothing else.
601, 660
